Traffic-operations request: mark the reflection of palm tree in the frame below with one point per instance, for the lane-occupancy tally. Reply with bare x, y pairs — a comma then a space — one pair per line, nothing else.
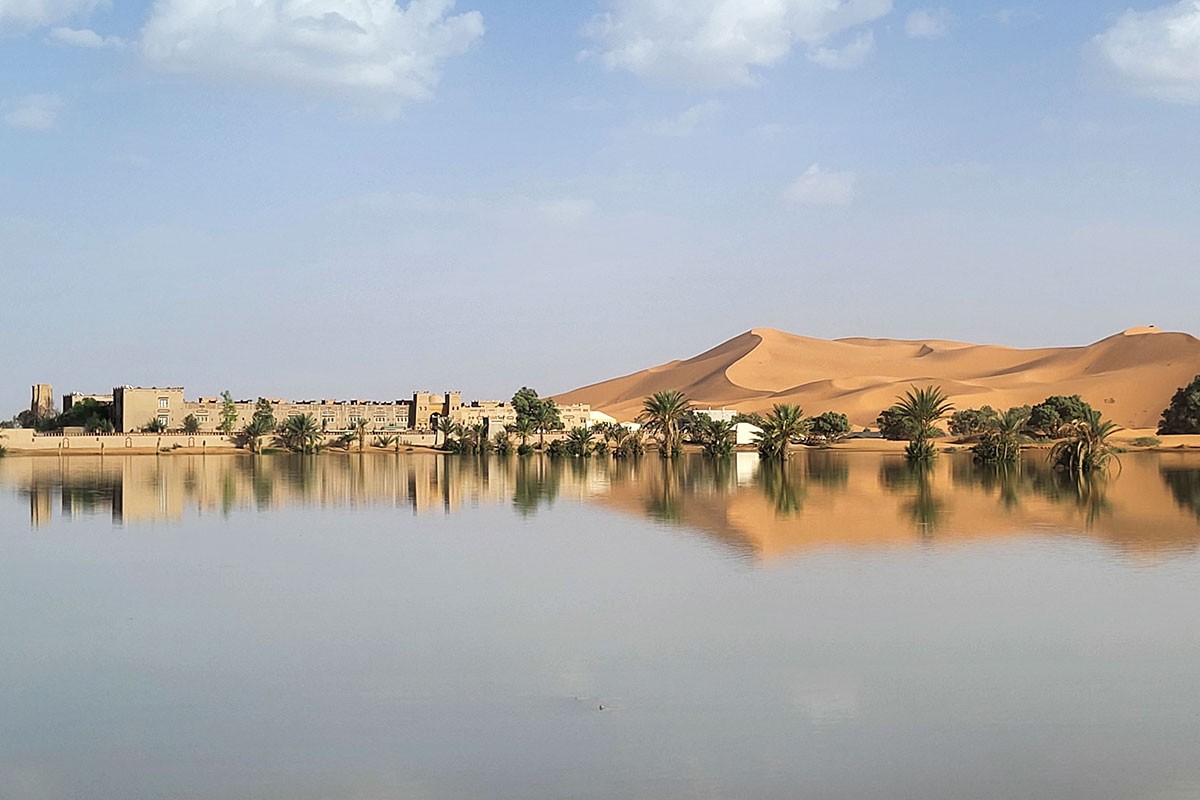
923, 506
779, 484
1184, 485
664, 499
828, 469
535, 483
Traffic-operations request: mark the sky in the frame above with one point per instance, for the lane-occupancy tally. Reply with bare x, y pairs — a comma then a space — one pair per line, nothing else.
361, 198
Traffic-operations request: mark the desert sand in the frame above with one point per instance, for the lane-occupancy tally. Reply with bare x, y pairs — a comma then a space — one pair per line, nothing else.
1129, 376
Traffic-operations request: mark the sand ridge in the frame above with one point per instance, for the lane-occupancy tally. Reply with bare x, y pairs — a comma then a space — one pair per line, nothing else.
1130, 376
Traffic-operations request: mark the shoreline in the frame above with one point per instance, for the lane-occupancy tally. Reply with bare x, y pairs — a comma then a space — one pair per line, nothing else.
1168, 444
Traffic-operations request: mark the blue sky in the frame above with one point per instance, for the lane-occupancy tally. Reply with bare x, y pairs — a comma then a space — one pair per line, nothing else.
361, 198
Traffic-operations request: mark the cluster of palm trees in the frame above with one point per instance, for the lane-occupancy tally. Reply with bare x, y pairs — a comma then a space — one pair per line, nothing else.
1086, 449
1083, 448
299, 433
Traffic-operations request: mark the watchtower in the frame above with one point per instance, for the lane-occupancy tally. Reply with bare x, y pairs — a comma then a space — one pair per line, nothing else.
42, 403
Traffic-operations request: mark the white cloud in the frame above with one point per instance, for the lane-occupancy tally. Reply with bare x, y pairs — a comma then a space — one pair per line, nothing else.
373, 48
1014, 16
688, 121
24, 15
1156, 52
770, 131
716, 43
928, 23
567, 211
846, 57
84, 38
35, 112
817, 187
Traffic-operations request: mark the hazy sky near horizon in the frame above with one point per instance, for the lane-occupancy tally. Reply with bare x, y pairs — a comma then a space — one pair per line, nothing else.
359, 198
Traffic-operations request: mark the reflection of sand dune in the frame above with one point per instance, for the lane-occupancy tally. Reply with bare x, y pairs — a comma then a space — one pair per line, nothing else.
875, 500
818, 499
1131, 375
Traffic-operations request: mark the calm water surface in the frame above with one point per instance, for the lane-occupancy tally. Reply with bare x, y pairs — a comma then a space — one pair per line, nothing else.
433, 627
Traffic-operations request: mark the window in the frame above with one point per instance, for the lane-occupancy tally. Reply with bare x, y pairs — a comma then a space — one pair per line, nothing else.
164, 402
381, 419
163, 420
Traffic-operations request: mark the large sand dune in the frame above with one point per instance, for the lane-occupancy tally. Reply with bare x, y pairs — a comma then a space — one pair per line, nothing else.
1129, 376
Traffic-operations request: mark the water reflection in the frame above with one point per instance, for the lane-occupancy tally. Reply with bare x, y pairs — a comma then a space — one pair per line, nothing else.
816, 499
1184, 484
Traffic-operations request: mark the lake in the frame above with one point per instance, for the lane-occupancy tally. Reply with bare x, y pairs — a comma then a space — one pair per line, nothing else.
422, 626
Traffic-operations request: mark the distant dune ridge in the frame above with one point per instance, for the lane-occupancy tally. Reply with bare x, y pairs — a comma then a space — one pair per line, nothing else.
1130, 376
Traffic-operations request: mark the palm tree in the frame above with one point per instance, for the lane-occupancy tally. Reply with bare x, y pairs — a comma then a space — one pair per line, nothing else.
545, 418
472, 437
523, 428
300, 433
255, 430
623, 440
663, 414
447, 427
1002, 445
579, 441
783, 427
359, 428
716, 436
1086, 448
501, 443
920, 409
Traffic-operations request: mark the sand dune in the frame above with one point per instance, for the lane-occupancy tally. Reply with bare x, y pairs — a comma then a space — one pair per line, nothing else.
1129, 376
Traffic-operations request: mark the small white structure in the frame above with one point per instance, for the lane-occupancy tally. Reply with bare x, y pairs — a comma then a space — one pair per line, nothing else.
599, 418
746, 433
720, 415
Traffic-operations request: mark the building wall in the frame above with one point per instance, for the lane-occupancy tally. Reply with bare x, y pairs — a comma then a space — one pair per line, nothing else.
331, 415
134, 407
426, 407
577, 415
69, 400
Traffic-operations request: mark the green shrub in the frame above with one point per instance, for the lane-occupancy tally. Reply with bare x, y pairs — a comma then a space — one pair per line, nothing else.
1183, 414
828, 428
1146, 441
1053, 415
974, 421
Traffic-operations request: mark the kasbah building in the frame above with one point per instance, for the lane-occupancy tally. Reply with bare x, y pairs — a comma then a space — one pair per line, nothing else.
135, 407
